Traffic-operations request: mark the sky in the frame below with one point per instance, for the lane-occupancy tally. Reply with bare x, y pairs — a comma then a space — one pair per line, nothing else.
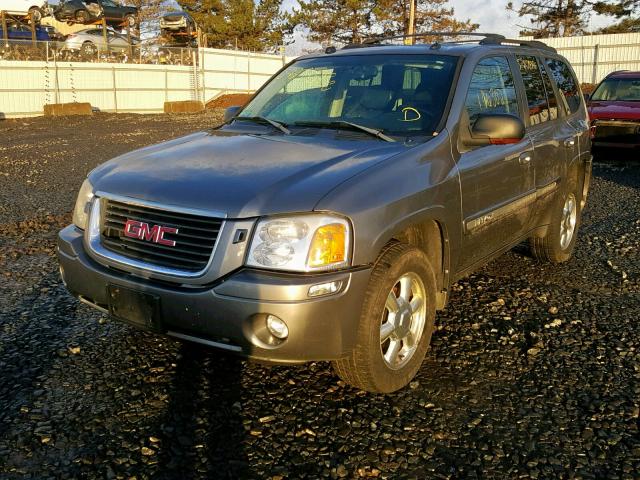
492, 15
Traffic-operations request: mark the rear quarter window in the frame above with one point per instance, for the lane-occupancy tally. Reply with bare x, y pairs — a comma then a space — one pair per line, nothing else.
566, 82
534, 88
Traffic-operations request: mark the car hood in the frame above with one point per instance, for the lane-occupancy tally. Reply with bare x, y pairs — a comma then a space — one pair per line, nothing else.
614, 110
242, 175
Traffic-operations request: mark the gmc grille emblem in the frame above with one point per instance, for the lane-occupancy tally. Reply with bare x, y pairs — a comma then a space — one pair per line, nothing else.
155, 234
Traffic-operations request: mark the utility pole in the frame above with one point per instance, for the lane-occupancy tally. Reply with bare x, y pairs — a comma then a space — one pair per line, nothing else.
412, 23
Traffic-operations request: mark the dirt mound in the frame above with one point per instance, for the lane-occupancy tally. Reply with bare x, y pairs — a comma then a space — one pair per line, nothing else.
230, 100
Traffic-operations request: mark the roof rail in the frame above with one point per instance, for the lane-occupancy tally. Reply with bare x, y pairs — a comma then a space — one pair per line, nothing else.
484, 39
376, 40
527, 43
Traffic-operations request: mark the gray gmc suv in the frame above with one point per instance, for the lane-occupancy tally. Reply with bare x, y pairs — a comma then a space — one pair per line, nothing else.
327, 219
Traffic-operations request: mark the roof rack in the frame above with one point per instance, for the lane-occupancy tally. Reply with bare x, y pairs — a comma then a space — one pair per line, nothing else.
484, 39
376, 40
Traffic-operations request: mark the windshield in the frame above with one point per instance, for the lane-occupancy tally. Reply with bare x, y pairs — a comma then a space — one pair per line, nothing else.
625, 89
400, 95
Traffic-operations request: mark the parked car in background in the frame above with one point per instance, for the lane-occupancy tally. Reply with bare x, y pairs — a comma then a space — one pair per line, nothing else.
178, 22
614, 111
54, 34
91, 42
35, 8
22, 33
86, 12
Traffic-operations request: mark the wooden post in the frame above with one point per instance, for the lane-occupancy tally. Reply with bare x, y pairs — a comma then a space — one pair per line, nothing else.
5, 34
129, 40
105, 37
412, 23
32, 26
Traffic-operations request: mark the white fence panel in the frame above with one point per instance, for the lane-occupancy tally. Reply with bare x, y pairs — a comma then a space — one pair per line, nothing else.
594, 56
230, 71
26, 86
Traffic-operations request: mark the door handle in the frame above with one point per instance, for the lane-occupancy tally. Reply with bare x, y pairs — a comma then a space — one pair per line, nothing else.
569, 142
524, 158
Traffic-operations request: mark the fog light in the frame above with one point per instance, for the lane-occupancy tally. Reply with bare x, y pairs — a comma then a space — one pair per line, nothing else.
277, 327
325, 288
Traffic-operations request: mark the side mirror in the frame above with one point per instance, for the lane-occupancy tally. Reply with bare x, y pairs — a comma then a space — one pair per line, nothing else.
230, 112
586, 96
493, 129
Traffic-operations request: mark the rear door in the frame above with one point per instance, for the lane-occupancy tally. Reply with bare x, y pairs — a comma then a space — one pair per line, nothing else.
547, 128
497, 181
572, 103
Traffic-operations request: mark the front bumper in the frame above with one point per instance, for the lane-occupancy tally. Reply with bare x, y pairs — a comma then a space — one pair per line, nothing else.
230, 314
175, 26
615, 133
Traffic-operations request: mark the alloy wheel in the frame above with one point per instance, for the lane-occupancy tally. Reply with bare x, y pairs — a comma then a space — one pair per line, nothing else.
403, 320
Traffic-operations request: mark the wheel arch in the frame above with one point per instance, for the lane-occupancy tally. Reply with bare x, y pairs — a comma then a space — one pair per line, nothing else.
428, 232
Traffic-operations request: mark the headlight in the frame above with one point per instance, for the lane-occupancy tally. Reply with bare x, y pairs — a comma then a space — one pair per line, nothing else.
304, 243
81, 210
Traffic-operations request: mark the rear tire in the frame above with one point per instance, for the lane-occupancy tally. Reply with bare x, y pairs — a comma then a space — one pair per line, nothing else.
88, 50
394, 333
557, 245
129, 21
35, 15
82, 16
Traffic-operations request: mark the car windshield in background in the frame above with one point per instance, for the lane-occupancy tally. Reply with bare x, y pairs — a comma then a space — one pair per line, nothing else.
620, 89
400, 95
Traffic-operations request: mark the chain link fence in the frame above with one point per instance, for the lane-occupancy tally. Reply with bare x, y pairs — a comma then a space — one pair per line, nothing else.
83, 50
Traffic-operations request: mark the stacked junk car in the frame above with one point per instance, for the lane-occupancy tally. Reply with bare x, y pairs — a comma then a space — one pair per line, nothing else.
93, 31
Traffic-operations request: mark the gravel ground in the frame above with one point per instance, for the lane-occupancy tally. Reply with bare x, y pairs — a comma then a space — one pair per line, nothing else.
534, 370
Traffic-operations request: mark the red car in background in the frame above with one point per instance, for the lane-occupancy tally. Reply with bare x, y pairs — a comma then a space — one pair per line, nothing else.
614, 111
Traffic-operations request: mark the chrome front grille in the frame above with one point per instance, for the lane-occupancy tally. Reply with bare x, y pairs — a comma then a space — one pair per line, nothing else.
193, 242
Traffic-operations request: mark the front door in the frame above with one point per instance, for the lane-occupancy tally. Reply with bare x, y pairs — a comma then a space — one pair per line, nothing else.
497, 181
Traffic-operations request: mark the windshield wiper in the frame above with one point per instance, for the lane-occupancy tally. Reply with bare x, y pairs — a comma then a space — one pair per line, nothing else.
273, 123
343, 123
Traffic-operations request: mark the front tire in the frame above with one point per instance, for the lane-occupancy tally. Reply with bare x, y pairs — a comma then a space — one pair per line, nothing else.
396, 322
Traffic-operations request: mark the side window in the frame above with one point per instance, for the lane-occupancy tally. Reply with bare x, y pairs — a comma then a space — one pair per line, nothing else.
566, 82
534, 88
492, 89
551, 96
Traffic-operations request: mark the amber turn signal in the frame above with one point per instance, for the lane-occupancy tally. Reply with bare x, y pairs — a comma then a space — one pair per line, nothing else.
328, 246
